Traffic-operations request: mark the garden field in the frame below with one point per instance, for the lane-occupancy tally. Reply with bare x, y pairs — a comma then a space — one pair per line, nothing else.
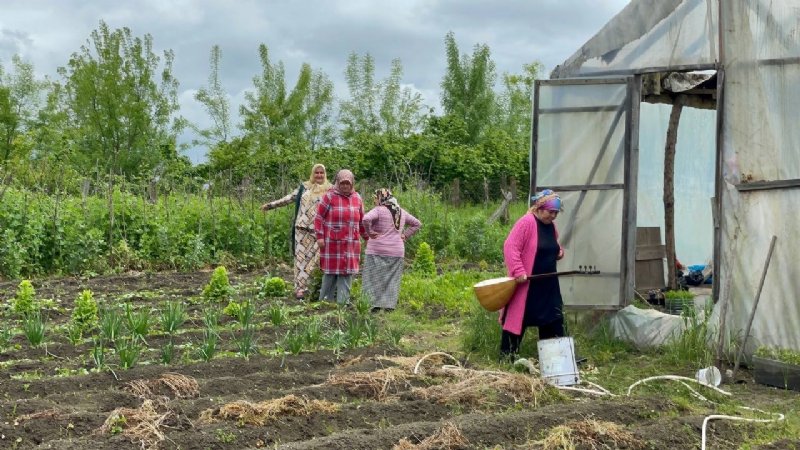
171, 363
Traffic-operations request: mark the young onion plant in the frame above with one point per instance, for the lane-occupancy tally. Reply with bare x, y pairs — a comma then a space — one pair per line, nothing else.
277, 313
138, 322
209, 345
172, 317
128, 349
293, 341
312, 333
33, 325
110, 323
99, 354
246, 342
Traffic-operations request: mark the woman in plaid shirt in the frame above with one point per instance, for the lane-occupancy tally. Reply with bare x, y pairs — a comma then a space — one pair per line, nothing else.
338, 228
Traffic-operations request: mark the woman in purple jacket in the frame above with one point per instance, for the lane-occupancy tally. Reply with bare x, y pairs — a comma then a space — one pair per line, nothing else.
388, 226
532, 248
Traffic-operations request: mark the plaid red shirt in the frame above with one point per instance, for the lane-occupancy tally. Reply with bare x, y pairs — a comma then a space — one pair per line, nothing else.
338, 222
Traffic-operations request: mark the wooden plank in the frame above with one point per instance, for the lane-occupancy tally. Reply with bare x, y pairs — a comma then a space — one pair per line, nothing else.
650, 251
766, 185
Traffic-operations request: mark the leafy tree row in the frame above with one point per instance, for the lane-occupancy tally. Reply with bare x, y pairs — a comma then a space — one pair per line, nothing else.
113, 114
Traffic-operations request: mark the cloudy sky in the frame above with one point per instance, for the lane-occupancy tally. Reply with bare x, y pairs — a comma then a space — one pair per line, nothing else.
320, 32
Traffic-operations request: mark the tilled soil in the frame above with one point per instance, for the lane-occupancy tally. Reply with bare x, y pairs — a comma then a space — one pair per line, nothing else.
58, 406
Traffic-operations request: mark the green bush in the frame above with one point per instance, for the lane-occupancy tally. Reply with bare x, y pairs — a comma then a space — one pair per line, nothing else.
84, 314
272, 287
424, 263
24, 303
219, 287
232, 310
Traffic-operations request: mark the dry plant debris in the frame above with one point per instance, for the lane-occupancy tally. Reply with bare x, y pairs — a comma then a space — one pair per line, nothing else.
180, 386
260, 413
448, 437
51, 413
590, 433
377, 385
141, 425
472, 386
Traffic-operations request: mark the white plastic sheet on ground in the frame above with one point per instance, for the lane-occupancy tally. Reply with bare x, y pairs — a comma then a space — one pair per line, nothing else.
645, 328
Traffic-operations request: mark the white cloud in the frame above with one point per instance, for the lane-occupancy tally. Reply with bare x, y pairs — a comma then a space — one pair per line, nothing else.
319, 32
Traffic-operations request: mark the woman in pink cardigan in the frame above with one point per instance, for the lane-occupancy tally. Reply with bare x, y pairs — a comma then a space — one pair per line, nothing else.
532, 248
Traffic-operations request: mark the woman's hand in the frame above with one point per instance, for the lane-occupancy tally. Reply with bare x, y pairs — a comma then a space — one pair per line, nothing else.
321, 243
521, 279
560, 254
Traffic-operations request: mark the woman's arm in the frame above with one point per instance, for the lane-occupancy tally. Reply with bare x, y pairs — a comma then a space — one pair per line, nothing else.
368, 221
412, 225
283, 201
361, 229
320, 221
514, 246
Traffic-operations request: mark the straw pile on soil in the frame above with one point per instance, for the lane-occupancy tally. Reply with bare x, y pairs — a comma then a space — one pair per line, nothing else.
473, 386
594, 434
172, 385
141, 425
448, 437
377, 385
260, 413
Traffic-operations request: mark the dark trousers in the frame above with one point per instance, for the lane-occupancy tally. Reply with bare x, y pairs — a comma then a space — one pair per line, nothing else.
510, 342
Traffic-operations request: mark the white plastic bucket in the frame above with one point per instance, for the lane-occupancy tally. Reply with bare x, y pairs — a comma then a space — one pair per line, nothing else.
710, 376
557, 361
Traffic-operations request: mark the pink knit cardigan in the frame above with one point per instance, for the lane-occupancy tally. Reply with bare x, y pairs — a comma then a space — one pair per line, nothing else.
519, 252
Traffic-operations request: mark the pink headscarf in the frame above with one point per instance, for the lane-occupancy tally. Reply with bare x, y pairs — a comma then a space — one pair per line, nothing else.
344, 175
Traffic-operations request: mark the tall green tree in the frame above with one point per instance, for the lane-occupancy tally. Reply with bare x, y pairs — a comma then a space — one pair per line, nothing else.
515, 104
20, 101
214, 99
274, 115
283, 125
123, 103
378, 107
468, 87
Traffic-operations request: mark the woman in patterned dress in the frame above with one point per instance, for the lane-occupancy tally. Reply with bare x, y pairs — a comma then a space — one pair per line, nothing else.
339, 229
303, 243
388, 226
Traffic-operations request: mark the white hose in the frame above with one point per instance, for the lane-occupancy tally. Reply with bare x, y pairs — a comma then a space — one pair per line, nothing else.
735, 418
419, 362
676, 377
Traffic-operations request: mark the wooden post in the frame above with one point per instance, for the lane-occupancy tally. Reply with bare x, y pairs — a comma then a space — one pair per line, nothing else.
755, 306
669, 188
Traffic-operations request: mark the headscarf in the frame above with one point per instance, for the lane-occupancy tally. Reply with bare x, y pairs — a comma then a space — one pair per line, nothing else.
344, 175
318, 189
385, 198
546, 199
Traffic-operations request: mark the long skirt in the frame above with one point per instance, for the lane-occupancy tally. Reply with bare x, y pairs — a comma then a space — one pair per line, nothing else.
381, 280
306, 257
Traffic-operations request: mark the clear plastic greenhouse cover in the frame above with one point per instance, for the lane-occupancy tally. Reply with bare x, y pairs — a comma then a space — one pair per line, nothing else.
759, 136
649, 34
761, 142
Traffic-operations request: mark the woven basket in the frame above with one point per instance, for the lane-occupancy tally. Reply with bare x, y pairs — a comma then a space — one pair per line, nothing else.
495, 293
